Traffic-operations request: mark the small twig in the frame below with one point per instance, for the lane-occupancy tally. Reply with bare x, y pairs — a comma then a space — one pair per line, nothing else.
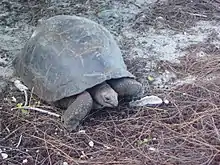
195, 14
10, 133
37, 109
138, 6
26, 98
32, 90
7, 129
46, 146
19, 141
215, 128
60, 150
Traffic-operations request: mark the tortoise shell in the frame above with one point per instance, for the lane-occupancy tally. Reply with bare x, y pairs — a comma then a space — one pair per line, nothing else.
67, 55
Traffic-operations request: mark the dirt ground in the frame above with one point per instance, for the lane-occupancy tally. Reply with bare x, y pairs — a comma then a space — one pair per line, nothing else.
174, 41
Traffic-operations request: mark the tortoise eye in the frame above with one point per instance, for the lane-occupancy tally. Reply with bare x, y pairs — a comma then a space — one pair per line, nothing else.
107, 98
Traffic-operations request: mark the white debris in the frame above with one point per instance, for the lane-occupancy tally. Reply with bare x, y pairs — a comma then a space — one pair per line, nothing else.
107, 147
20, 86
166, 101
82, 131
25, 161
34, 34
147, 100
65, 163
91, 143
4, 155
83, 155
0, 150
152, 149
13, 99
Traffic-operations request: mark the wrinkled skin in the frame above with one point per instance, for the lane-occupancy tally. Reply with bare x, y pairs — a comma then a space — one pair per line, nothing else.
100, 96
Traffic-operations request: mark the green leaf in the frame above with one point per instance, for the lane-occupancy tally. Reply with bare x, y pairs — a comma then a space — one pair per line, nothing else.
150, 78
23, 111
144, 141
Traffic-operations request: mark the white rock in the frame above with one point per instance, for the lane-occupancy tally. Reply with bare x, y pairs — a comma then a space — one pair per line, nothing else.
82, 131
13, 99
152, 149
65, 163
147, 100
25, 161
4, 155
166, 101
91, 143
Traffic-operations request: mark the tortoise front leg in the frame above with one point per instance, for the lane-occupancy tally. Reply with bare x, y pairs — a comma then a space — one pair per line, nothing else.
78, 107
126, 87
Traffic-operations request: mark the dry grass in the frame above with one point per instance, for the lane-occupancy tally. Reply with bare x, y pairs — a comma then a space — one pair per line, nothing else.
187, 131
179, 14
184, 132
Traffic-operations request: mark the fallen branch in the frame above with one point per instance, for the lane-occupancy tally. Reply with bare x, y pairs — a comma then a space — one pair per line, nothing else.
37, 109
24, 89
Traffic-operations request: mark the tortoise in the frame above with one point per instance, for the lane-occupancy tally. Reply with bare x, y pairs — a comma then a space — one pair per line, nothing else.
76, 64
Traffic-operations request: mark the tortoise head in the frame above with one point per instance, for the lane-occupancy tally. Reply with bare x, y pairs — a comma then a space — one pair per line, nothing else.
105, 96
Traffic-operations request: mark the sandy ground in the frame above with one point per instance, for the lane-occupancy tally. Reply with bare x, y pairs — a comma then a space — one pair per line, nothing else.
140, 33
151, 35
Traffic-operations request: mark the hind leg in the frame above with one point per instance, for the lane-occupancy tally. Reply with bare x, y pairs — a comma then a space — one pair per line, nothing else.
77, 109
126, 87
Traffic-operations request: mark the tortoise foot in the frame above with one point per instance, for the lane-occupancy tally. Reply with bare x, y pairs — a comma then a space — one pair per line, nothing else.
127, 87
77, 111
